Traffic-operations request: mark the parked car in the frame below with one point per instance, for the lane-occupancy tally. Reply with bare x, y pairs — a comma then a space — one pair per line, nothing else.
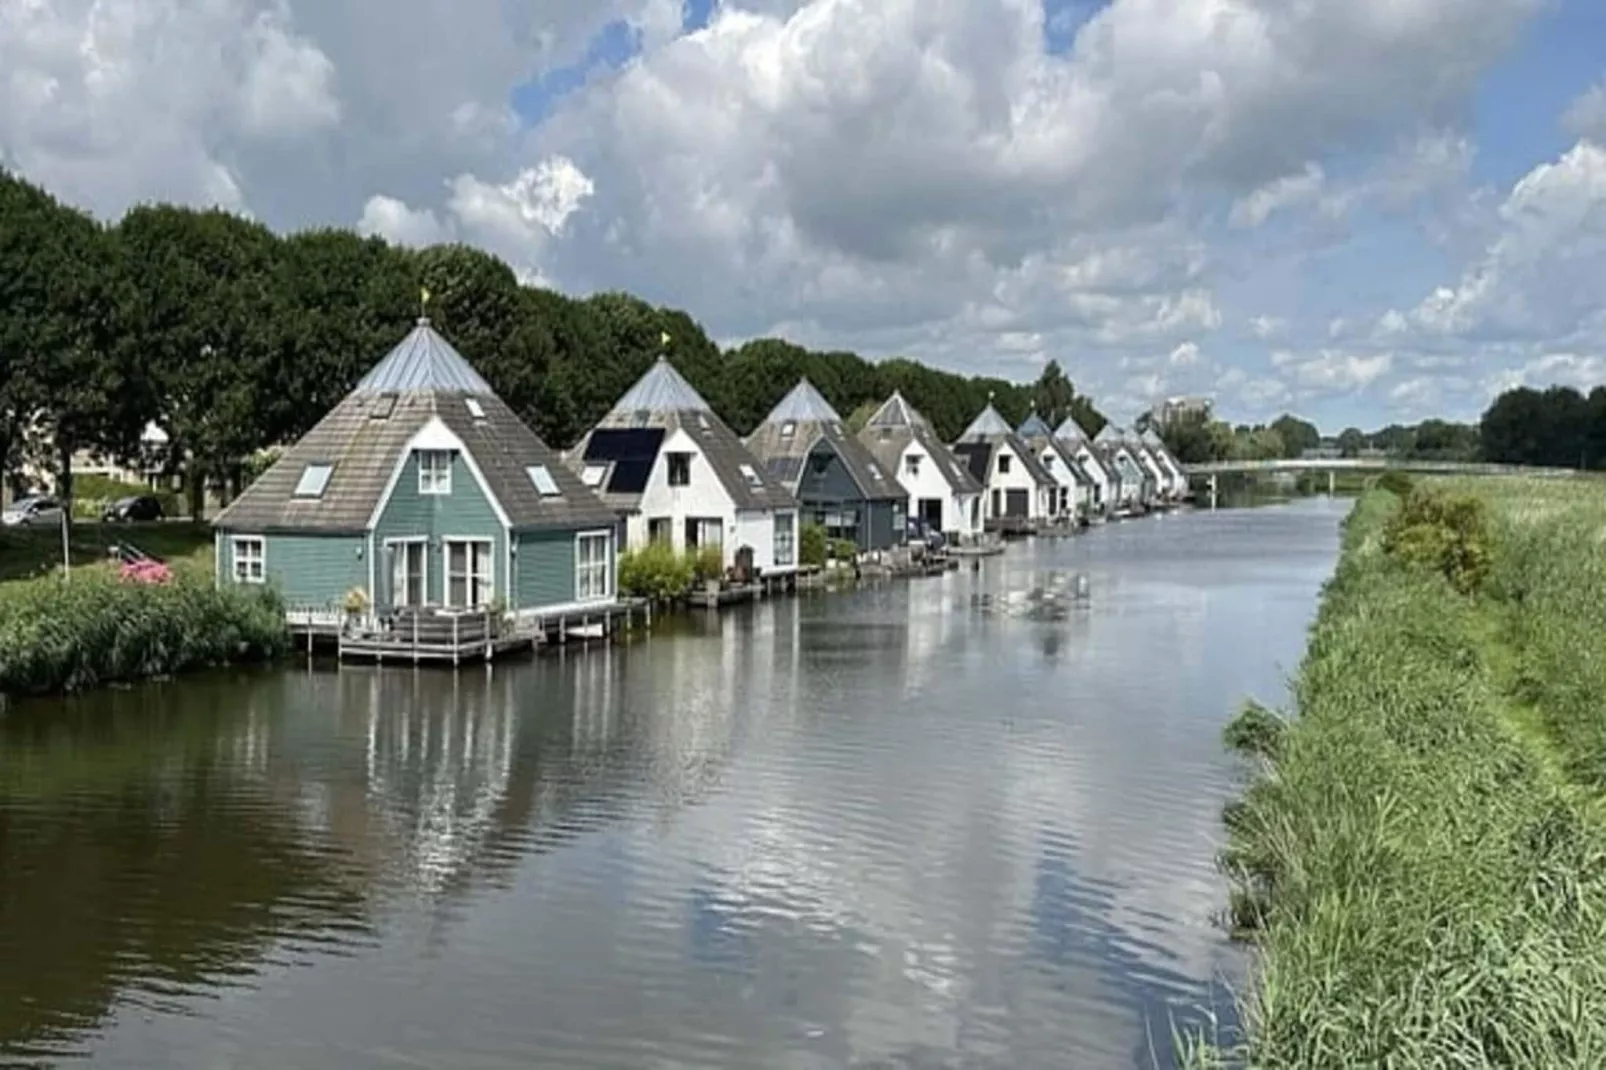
34, 509
141, 507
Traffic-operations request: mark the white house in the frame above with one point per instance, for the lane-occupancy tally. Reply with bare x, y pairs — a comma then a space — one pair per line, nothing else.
1102, 481
942, 492
1074, 486
1017, 488
1179, 478
678, 474
1149, 462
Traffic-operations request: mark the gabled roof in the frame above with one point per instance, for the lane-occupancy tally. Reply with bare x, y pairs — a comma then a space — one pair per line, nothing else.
1110, 435
662, 398
1064, 451
989, 427
1093, 460
803, 422
895, 425
362, 439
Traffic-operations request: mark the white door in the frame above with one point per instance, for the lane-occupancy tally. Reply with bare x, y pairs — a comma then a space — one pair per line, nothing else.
407, 573
468, 573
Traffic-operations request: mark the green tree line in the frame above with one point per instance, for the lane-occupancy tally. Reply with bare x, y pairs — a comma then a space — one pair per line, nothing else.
232, 339
1198, 437
1558, 427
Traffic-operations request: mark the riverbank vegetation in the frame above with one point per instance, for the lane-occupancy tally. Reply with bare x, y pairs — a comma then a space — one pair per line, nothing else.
34, 552
232, 339
109, 625
1421, 860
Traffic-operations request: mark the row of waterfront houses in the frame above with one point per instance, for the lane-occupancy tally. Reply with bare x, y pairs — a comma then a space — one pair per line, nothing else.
423, 489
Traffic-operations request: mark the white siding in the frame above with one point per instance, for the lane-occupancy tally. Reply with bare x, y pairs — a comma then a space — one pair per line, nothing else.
1075, 491
1095, 471
703, 496
1017, 478
756, 528
928, 482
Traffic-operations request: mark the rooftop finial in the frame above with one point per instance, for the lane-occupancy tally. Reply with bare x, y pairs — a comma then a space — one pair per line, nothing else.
423, 306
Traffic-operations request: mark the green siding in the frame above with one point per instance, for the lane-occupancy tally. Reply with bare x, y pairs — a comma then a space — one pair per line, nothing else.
465, 512
545, 568
307, 570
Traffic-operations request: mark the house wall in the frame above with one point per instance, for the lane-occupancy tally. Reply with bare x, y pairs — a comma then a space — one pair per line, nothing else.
886, 525
1065, 479
544, 568
703, 496
1017, 478
929, 483
756, 528
1153, 470
1131, 477
1099, 492
465, 512
306, 570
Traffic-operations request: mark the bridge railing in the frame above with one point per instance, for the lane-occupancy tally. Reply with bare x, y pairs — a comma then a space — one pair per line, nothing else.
1378, 464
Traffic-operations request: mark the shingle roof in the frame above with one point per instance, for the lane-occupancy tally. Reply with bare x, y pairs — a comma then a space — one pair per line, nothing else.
799, 425
896, 424
423, 361
978, 458
362, 439
662, 398
1092, 459
1063, 450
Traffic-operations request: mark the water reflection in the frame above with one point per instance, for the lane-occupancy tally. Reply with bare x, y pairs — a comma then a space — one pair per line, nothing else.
875, 829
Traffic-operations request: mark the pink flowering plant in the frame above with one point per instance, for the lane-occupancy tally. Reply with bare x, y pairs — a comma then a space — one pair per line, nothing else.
145, 572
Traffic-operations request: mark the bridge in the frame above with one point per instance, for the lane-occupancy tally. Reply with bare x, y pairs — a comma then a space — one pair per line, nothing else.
1212, 470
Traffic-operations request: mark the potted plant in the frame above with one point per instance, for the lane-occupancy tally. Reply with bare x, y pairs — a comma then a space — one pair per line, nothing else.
356, 604
497, 611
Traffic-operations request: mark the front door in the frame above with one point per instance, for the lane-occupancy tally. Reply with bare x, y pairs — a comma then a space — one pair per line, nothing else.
407, 573
1017, 503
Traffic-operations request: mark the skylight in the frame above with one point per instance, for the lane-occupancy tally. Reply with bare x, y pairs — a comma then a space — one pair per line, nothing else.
592, 476
788, 429
542, 480
475, 409
382, 407
314, 478
752, 475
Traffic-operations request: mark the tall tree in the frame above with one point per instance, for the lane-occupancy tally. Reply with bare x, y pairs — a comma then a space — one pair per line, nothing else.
1297, 435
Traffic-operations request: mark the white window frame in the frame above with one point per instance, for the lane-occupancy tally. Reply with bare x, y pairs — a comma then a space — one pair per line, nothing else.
431, 480
911, 465
310, 486
1003, 464
583, 569
238, 542
469, 577
396, 546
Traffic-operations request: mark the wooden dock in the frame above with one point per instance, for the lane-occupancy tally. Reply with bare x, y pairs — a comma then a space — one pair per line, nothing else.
457, 636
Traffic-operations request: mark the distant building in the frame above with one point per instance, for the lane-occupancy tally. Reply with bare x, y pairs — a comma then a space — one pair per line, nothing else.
1075, 491
942, 492
1103, 480
1019, 490
1179, 408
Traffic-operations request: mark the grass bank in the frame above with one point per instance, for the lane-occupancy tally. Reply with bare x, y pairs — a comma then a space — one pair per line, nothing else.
1420, 860
32, 552
99, 629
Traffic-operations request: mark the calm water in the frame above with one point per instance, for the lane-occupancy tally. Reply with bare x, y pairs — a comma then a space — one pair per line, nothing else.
876, 829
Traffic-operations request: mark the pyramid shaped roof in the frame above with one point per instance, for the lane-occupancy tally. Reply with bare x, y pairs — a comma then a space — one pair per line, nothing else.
989, 424
1034, 426
803, 404
352, 454
895, 425
896, 412
1071, 431
663, 389
423, 361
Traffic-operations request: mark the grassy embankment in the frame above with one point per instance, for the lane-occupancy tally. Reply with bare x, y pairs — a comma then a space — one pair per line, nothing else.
1421, 859
97, 629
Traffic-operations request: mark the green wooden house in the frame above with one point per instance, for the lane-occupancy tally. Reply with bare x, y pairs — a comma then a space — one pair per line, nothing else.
420, 490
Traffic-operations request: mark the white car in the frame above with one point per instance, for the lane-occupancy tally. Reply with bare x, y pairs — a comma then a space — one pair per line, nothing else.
35, 509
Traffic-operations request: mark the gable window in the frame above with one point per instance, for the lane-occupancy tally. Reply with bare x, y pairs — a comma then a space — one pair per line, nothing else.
1048, 461
541, 479
785, 538
679, 468
434, 471
250, 560
911, 464
468, 573
593, 567
314, 478
1003, 463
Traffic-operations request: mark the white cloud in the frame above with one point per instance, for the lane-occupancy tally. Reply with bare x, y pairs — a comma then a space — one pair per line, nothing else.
1586, 116
1280, 194
1583, 372
1332, 371
1267, 326
391, 219
1185, 354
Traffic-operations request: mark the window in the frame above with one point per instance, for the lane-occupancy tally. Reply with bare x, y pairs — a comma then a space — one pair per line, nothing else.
314, 478
409, 571
702, 422
542, 480
593, 567
788, 429
1048, 461
660, 529
679, 468
911, 464
785, 538
475, 409
592, 476
704, 531
250, 560
1003, 463
434, 472
468, 573
382, 407
751, 475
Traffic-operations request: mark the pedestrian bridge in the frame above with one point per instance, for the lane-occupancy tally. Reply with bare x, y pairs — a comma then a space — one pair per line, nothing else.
1371, 464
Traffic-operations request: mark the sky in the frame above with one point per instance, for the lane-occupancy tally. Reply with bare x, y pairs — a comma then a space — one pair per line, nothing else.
1361, 211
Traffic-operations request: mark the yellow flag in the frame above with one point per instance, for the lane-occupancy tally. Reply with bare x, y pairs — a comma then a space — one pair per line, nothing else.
663, 338
423, 294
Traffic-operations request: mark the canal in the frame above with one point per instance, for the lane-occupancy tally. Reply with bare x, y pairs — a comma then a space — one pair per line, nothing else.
873, 829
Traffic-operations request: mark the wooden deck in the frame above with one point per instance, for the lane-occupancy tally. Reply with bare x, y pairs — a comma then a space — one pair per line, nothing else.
454, 637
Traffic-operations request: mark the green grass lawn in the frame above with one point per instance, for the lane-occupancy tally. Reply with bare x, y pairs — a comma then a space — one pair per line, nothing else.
27, 552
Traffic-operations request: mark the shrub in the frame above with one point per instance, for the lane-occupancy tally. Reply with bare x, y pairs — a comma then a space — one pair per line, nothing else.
96, 629
1396, 482
656, 571
145, 572
1442, 532
843, 549
813, 545
709, 563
